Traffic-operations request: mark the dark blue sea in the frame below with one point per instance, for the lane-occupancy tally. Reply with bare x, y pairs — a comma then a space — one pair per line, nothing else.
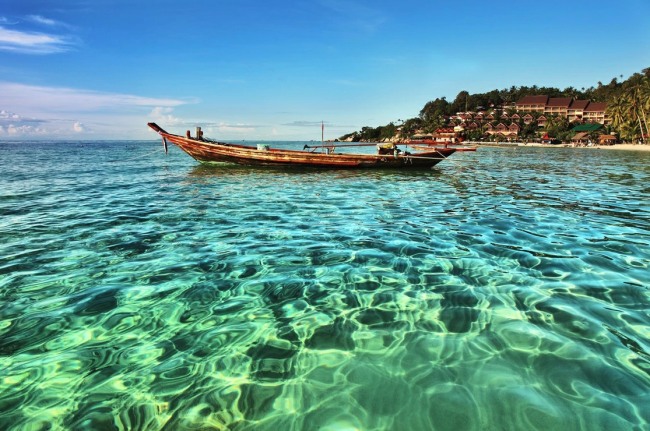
507, 289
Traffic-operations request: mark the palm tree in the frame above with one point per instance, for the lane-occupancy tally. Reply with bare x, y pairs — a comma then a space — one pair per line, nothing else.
628, 113
617, 112
629, 131
644, 98
636, 108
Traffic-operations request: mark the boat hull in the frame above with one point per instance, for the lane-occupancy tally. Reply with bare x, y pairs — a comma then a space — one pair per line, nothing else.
217, 152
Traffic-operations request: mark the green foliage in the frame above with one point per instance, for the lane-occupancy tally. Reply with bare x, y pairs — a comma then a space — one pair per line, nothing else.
558, 127
630, 109
410, 127
388, 131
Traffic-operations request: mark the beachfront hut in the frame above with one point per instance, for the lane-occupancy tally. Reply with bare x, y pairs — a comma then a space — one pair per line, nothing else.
580, 138
607, 139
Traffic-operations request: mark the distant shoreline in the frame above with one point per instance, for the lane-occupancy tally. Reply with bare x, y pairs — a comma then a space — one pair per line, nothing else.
626, 147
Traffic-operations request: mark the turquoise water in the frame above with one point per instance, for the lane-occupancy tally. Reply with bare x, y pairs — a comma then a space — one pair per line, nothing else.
506, 289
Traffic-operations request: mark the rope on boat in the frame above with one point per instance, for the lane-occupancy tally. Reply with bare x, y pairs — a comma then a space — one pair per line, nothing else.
136, 157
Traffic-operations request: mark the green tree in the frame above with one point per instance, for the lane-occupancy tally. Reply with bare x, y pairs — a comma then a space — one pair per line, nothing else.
616, 111
434, 109
388, 132
433, 114
558, 127
410, 127
628, 111
461, 103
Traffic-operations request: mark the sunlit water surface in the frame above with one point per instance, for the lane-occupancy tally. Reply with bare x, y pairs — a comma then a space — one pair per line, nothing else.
506, 289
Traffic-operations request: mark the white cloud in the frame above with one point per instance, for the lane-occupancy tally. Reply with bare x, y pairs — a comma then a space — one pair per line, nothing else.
19, 130
220, 129
42, 20
32, 42
6, 115
302, 123
28, 98
28, 111
163, 115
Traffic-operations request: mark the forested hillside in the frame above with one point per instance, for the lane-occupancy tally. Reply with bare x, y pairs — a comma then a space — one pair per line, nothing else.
628, 104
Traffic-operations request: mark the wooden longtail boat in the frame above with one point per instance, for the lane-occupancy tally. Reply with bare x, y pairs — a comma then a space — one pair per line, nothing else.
209, 151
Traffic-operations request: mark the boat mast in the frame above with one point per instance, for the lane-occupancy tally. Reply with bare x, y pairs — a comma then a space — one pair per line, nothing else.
322, 131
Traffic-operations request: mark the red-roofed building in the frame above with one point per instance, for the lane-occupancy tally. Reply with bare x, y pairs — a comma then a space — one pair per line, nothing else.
595, 113
576, 110
557, 106
573, 110
527, 119
532, 103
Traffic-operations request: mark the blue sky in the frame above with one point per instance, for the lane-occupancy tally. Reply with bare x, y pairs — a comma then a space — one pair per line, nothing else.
244, 69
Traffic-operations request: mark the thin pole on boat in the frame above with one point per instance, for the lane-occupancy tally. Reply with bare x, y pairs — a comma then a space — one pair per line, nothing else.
322, 132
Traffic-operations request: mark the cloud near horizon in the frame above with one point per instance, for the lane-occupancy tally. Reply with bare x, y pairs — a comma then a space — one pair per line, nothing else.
37, 111
301, 123
23, 97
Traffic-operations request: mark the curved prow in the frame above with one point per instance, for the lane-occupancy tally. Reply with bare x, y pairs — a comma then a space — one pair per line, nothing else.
161, 132
156, 128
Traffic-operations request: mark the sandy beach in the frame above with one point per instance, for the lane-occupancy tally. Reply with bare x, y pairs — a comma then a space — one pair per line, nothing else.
632, 147
626, 147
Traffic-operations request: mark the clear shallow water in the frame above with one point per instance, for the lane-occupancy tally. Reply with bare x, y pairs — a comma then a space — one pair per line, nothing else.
506, 289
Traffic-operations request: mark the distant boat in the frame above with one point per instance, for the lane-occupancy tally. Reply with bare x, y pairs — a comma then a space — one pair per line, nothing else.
388, 156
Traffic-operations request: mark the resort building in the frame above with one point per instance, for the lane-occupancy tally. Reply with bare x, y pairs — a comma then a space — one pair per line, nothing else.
573, 110
576, 110
595, 113
503, 131
532, 104
535, 112
557, 106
